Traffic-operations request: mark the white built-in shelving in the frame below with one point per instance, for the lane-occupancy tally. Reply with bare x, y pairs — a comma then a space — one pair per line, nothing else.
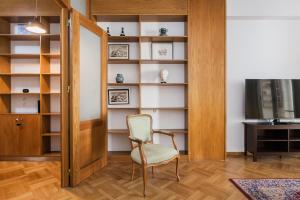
167, 103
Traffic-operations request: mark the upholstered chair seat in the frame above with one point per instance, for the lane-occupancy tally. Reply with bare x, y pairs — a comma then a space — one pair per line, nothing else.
154, 153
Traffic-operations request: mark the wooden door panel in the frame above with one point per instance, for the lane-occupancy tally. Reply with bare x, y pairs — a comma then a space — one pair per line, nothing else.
90, 135
29, 138
8, 136
207, 76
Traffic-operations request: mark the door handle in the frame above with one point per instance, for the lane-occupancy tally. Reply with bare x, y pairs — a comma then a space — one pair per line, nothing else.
19, 122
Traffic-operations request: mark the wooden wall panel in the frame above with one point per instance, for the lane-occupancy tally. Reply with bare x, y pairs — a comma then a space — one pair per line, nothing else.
206, 95
135, 7
27, 8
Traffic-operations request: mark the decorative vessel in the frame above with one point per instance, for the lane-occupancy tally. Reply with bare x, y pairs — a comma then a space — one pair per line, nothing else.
120, 78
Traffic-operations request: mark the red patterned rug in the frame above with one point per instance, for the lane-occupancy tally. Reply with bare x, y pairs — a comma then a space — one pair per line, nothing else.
269, 189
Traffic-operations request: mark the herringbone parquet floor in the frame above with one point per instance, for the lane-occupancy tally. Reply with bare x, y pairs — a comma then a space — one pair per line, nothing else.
199, 180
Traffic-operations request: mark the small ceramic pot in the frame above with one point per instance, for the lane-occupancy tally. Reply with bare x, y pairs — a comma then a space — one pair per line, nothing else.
163, 31
120, 78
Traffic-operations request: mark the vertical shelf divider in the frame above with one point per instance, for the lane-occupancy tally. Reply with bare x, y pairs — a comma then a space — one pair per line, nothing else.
44, 84
140, 64
5, 67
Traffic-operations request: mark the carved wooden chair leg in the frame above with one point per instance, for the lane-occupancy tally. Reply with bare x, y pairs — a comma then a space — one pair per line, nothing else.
132, 170
144, 178
177, 169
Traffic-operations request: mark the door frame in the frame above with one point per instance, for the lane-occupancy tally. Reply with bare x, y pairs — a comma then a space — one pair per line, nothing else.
78, 20
65, 133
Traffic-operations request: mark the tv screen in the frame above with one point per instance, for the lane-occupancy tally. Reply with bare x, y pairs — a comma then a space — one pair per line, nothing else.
272, 99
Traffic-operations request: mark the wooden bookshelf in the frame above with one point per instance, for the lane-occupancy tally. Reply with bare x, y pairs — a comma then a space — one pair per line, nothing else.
123, 39
21, 37
163, 61
51, 55
136, 61
19, 74
163, 38
164, 84
147, 39
140, 71
123, 84
123, 108
20, 56
20, 93
51, 134
31, 67
164, 108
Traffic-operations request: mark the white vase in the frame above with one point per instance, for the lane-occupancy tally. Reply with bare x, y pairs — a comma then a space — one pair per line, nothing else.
164, 75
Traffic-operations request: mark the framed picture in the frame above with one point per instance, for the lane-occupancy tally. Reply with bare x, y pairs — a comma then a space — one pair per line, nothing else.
20, 29
118, 51
118, 96
162, 50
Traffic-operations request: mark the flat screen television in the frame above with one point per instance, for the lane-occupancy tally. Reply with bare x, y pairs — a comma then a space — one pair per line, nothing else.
272, 99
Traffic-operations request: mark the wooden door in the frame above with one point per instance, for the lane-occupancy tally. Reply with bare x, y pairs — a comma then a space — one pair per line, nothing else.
88, 98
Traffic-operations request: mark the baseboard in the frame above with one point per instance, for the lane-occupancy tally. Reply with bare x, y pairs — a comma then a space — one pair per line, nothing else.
31, 158
234, 153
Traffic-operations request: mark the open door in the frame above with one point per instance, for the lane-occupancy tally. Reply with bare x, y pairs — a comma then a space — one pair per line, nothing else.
88, 142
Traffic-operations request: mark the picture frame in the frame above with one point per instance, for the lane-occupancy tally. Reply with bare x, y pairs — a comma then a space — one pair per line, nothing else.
118, 51
162, 50
118, 96
20, 29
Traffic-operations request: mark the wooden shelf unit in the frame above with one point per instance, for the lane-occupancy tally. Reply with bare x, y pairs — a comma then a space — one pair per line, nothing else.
30, 37
138, 83
33, 65
147, 39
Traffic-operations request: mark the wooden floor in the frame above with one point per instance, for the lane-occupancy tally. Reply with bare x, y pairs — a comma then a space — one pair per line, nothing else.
199, 180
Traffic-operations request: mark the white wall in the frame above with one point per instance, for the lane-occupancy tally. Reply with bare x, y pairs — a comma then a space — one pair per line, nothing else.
263, 41
79, 5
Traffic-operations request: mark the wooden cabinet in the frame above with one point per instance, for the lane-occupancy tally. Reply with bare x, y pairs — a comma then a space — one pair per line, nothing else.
20, 135
271, 139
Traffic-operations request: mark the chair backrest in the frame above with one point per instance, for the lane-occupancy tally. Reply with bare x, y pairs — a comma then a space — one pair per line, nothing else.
140, 127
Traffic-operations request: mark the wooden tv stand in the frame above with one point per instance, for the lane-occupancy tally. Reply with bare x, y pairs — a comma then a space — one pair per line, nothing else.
269, 139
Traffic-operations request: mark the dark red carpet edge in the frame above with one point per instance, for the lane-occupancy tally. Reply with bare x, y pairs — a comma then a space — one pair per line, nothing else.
240, 189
